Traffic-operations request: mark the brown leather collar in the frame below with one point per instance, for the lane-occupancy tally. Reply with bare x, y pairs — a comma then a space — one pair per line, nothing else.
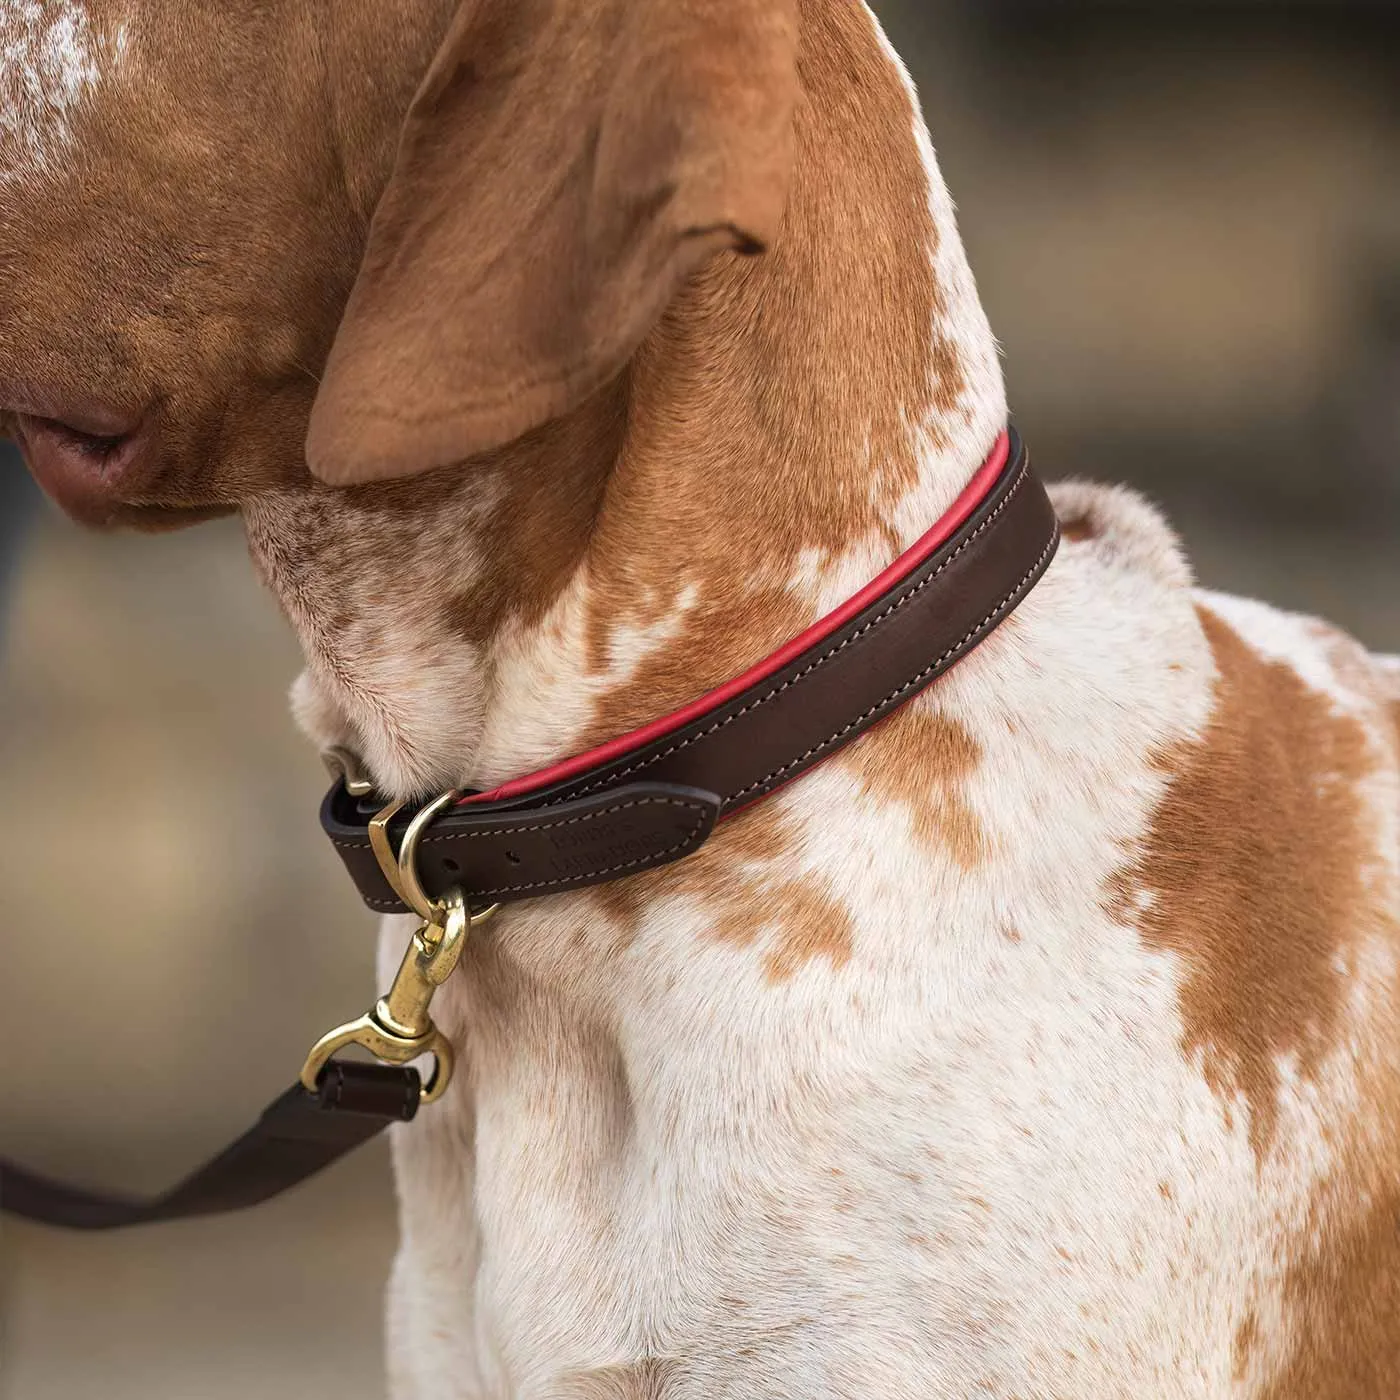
654, 796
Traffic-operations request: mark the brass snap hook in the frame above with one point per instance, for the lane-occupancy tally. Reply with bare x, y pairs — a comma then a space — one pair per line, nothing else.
398, 1028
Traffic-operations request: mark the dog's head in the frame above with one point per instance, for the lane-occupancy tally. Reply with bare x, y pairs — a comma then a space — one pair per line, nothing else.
417, 230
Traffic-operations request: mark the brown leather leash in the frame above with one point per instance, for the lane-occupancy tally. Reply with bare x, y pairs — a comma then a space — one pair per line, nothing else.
298, 1135
642, 801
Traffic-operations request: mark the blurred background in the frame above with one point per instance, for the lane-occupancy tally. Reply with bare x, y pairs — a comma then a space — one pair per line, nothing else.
1185, 220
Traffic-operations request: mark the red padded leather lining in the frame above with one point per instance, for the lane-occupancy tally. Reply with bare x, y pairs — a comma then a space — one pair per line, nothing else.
972, 496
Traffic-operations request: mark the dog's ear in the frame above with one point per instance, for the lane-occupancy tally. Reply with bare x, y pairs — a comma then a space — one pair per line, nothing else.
564, 168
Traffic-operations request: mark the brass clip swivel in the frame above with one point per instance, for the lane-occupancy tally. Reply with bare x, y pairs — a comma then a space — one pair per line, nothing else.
398, 1028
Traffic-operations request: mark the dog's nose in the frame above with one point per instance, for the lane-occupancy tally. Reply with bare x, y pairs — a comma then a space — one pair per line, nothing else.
89, 461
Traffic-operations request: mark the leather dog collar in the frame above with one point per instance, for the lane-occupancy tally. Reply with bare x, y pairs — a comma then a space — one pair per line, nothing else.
639, 802
654, 796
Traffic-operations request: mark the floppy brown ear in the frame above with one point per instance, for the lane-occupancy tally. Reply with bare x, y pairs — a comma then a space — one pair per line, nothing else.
565, 167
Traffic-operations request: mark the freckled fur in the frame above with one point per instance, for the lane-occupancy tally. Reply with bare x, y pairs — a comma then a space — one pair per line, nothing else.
1042, 1044
50, 61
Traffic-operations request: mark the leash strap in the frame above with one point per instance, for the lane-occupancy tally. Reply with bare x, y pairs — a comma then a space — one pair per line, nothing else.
654, 797
297, 1136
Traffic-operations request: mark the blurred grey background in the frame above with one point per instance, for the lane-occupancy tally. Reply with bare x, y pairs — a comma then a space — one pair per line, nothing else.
1185, 220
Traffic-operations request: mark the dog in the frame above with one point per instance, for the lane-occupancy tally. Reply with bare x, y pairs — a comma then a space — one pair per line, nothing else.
562, 358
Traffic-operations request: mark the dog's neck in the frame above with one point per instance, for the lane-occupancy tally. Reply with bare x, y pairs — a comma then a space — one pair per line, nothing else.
795, 422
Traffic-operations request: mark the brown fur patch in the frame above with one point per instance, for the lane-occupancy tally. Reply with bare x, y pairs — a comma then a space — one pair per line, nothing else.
736, 630
1343, 1294
1255, 873
922, 760
1246, 1339
538, 531
739, 879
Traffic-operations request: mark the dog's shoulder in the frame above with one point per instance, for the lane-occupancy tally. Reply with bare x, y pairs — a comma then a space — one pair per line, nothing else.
1268, 874
1292, 933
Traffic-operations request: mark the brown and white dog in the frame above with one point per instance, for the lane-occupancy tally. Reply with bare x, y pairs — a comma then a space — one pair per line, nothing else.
1044, 1044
